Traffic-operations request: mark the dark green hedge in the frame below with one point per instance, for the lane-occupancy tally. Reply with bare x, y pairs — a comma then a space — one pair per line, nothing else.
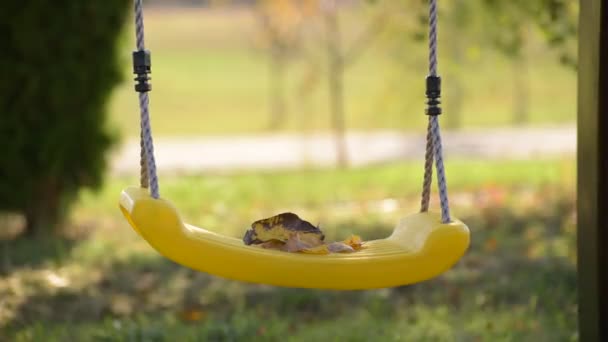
58, 66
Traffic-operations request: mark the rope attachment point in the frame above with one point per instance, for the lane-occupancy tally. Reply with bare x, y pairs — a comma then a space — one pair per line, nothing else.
433, 93
142, 67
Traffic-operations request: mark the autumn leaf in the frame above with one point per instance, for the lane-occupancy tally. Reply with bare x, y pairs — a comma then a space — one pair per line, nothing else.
322, 249
281, 228
287, 232
355, 242
193, 315
121, 304
273, 244
339, 247
491, 245
296, 244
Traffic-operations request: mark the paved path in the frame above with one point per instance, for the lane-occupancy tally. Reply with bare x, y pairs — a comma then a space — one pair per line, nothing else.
191, 155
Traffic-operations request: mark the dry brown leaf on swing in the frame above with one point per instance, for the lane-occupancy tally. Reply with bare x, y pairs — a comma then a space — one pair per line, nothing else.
322, 249
287, 232
339, 247
296, 244
354, 241
282, 227
273, 244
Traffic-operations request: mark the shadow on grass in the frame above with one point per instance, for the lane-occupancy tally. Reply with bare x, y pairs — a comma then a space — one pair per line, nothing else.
518, 260
23, 252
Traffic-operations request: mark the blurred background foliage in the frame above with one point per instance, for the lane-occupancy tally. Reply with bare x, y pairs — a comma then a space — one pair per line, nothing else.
382, 49
268, 67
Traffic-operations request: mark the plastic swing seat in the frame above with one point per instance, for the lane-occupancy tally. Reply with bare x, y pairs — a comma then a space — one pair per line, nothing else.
420, 247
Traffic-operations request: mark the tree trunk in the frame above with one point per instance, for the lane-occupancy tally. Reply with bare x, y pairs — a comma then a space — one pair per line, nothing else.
453, 101
336, 84
521, 110
43, 212
521, 101
455, 88
304, 93
456, 44
277, 75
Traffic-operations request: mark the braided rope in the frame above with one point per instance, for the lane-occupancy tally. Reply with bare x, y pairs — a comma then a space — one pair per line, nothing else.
139, 24
441, 180
144, 182
434, 149
428, 170
148, 171
433, 37
428, 164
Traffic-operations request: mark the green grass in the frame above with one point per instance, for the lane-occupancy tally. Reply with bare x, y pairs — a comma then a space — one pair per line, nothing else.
517, 282
210, 76
234, 199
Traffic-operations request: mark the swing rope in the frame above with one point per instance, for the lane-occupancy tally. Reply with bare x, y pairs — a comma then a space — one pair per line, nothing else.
141, 67
434, 152
434, 149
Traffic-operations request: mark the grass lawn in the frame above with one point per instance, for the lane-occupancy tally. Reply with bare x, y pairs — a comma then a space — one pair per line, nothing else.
517, 282
210, 76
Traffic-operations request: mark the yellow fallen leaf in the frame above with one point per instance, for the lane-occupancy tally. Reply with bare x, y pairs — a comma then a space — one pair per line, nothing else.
340, 247
121, 304
490, 245
321, 249
312, 240
354, 241
193, 315
273, 244
295, 244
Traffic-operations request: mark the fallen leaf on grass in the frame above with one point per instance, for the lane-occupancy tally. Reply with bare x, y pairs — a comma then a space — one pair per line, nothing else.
193, 315
490, 245
121, 304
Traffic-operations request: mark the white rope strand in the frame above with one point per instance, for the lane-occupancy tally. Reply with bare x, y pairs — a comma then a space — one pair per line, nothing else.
433, 38
148, 144
428, 164
434, 150
144, 182
139, 25
441, 180
144, 100
428, 170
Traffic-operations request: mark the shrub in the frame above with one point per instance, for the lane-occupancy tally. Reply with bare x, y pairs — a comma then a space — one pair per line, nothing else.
59, 64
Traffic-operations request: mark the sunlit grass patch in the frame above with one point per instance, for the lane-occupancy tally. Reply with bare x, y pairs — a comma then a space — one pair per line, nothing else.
517, 281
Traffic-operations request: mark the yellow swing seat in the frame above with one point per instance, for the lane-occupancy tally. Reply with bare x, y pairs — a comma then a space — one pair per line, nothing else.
420, 247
